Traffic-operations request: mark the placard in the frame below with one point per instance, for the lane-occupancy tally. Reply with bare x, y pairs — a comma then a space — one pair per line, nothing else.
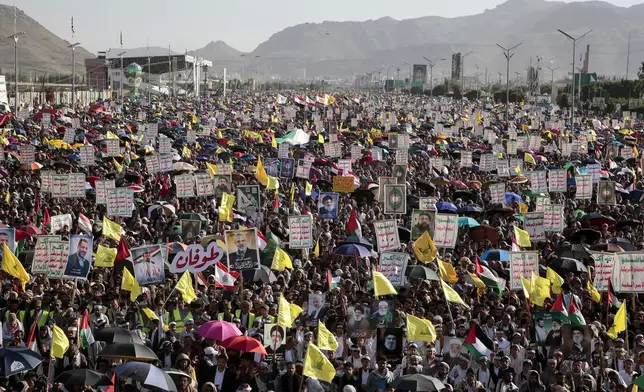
303, 169
58, 222
606, 193
534, 225
386, 235
584, 186
553, 219
76, 185
558, 180
283, 150
604, 264
522, 264
393, 266
68, 137
300, 231
427, 203
196, 259
628, 273
185, 185
466, 158
344, 165
538, 180
112, 148
119, 202
343, 184
27, 153
152, 164
57, 252
41, 253
204, 184
165, 145
87, 156
243, 253
45, 180
59, 186
445, 230
248, 201
102, 187
395, 199
497, 193
165, 163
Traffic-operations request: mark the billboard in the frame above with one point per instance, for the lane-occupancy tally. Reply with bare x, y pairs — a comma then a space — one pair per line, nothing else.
419, 75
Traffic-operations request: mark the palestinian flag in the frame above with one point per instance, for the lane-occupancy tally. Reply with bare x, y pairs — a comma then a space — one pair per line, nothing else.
488, 277
558, 311
85, 331
353, 227
478, 343
574, 315
332, 281
612, 297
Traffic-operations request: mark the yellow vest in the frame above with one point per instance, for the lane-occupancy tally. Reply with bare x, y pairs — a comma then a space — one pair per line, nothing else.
44, 317
21, 316
176, 317
251, 318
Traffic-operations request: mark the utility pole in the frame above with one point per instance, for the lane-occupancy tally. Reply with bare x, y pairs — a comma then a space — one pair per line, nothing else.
431, 64
574, 46
553, 94
463, 78
15, 37
508, 53
73, 46
628, 55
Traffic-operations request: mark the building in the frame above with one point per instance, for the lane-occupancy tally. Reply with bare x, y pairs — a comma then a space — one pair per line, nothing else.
456, 66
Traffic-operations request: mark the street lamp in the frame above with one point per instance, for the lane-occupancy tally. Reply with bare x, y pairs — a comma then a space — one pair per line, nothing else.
552, 85
463, 78
431, 64
508, 53
122, 71
574, 47
15, 55
73, 46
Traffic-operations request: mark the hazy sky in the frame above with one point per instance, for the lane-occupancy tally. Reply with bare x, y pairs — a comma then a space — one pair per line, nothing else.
191, 24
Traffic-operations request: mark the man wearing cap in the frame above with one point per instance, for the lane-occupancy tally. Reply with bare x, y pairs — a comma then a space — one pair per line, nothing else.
206, 366
628, 373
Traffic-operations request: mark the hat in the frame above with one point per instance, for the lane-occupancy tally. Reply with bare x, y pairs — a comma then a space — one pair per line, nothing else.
355, 347
413, 345
365, 357
172, 323
308, 333
619, 340
189, 321
628, 359
209, 351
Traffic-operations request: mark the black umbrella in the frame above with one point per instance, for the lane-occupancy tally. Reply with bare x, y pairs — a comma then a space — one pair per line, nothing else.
585, 236
147, 374
427, 186
83, 377
404, 234
129, 351
116, 335
623, 243
17, 360
566, 264
418, 382
421, 272
573, 251
358, 241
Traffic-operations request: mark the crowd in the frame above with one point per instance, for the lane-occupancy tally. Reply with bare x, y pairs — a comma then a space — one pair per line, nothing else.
260, 216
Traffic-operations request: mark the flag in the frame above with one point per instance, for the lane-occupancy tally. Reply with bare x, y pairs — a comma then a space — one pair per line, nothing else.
111, 388
332, 281
382, 285
555, 279
353, 226
46, 219
84, 224
185, 287
224, 278
273, 183
276, 202
130, 284
326, 340
316, 250
320, 138
612, 297
308, 189
111, 229
424, 248
447, 271
317, 365
59, 342
287, 312
85, 331
32, 339
122, 251
12, 266
225, 209
522, 237
281, 260
452, 296
529, 159
540, 289
574, 315
273, 142
212, 170
150, 314
73, 25
619, 324
488, 277
526, 285
478, 343
281, 100
420, 330
121, 38
262, 241
260, 173
104, 257
117, 166
594, 294
185, 152
7, 197
558, 307
480, 286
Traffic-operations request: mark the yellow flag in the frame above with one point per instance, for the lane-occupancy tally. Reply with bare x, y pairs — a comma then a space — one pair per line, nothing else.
523, 208
111, 135
382, 285
273, 183
308, 189
619, 324
540, 289
12, 266
480, 285
260, 173
320, 138
317, 365
150, 314
226, 207
7, 197
212, 169
59, 342
185, 152
118, 166
527, 287
316, 251
130, 284
273, 142
424, 248
105, 256
518, 170
522, 237
420, 330
555, 279
281, 260
292, 192
326, 340
478, 117
529, 159
594, 294
185, 287
287, 312
111, 229
447, 271
452, 295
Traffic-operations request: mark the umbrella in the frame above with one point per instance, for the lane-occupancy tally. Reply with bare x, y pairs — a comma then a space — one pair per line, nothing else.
129, 351
357, 241
83, 377
484, 232
585, 236
262, 274
17, 360
467, 221
607, 247
168, 209
245, 344
456, 184
351, 249
510, 197
417, 383
469, 209
176, 375
176, 247
248, 157
116, 335
566, 264
218, 330
183, 166
193, 216
147, 374
623, 243
404, 234
595, 219
495, 255
445, 206
421, 272
424, 185
31, 166
573, 251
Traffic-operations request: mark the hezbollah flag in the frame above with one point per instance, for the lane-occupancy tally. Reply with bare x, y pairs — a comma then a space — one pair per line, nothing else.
326, 340
619, 324
424, 248
317, 365
287, 312
420, 330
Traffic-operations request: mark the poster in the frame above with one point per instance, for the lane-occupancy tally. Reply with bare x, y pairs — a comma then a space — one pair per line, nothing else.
422, 221
382, 313
185, 185
27, 153
243, 252
7, 237
300, 231
420, 75
119, 202
497, 193
101, 190
328, 205
152, 164
382, 182
445, 230
204, 185
59, 222
576, 342
584, 186
534, 225
274, 341
303, 169
606, 193
165, 163
628, 273
87, 156
542, 324
358, 316
272, 167
190, 229
41, 253
45, 180
287, 167
558, 180
76, 185
400, 173
389, 343
553, 218
604, 264
59, 186
58, 252
148, 262
343, 184
522, 264
315, 310
196, 258
427, 203
395, 199
223, 184
112, 147
393, 265
386, 235
248, 201
80, 256
538, 180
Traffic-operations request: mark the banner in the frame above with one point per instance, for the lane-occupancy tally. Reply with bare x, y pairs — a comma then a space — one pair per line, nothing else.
204, 184
604, 265
497, 193
148, 262
584, 186
538, 180
300, 231
466, 158
59, 186
58, 222
243, 253
343, 184
112, 147
303, 169
58, 251
606, 193
165, 163
185, 186
628, 275
248, 201
79, 261
393, 265
152, 164
76, 185
533, 224
558, 180
553, 218
522, 264
195, 258
420, 75
41, 253
120, 202
395, 199
445, 230
427, 203
386, 235
87, 156
102, 186
328, 205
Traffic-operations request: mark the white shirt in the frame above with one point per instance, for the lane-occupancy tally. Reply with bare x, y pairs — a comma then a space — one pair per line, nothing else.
219, 377
626, 377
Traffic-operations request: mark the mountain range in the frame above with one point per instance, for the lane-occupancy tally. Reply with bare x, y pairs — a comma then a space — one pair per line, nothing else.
345, 49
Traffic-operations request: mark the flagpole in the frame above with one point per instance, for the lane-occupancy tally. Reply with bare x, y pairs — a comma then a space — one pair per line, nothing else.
626, 330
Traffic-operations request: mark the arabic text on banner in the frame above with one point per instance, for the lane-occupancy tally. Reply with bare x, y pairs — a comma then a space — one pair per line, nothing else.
604, 264
553, 220
41, 253
386, 235
204, 184
584, 186
522, 264
185, 186
119, 202
58, 252
628, 272
445, 230
393, 265
497, 192
558, 180
533, 224
102, 186
300, 231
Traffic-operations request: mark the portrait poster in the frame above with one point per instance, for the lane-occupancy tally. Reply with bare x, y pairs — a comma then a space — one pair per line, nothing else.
271, 165
382, 181
576, 342
248, 199
274, 341
542, 324
300, 231
80, 256
382, 314
328, 205
400, 173
422, 221
8, 237
393, 266
148, 262
358, 325
395, 199
190, 229
303, 169
223, 184
316, 309
287, 167
389, 344
243, 253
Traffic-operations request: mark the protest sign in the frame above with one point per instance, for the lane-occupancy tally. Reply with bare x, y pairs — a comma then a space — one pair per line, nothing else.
57, 252
343, 184
553, 217
149, 262
395, 199
119, 202
584, 186
497, 193
87, 156
427, 203
27, 153
522, 264
79, 261
605, 263
102, 186
58, 222
112, 147
41, 253
45, 180
204, 184
628, 273
534, 225
300, 231
76, 185
445, 230
195, 258
386, 235
248, 201
393, 265
165, 163
606, 193
558, 180
152, 164
185, 186
243, 253
59, 186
